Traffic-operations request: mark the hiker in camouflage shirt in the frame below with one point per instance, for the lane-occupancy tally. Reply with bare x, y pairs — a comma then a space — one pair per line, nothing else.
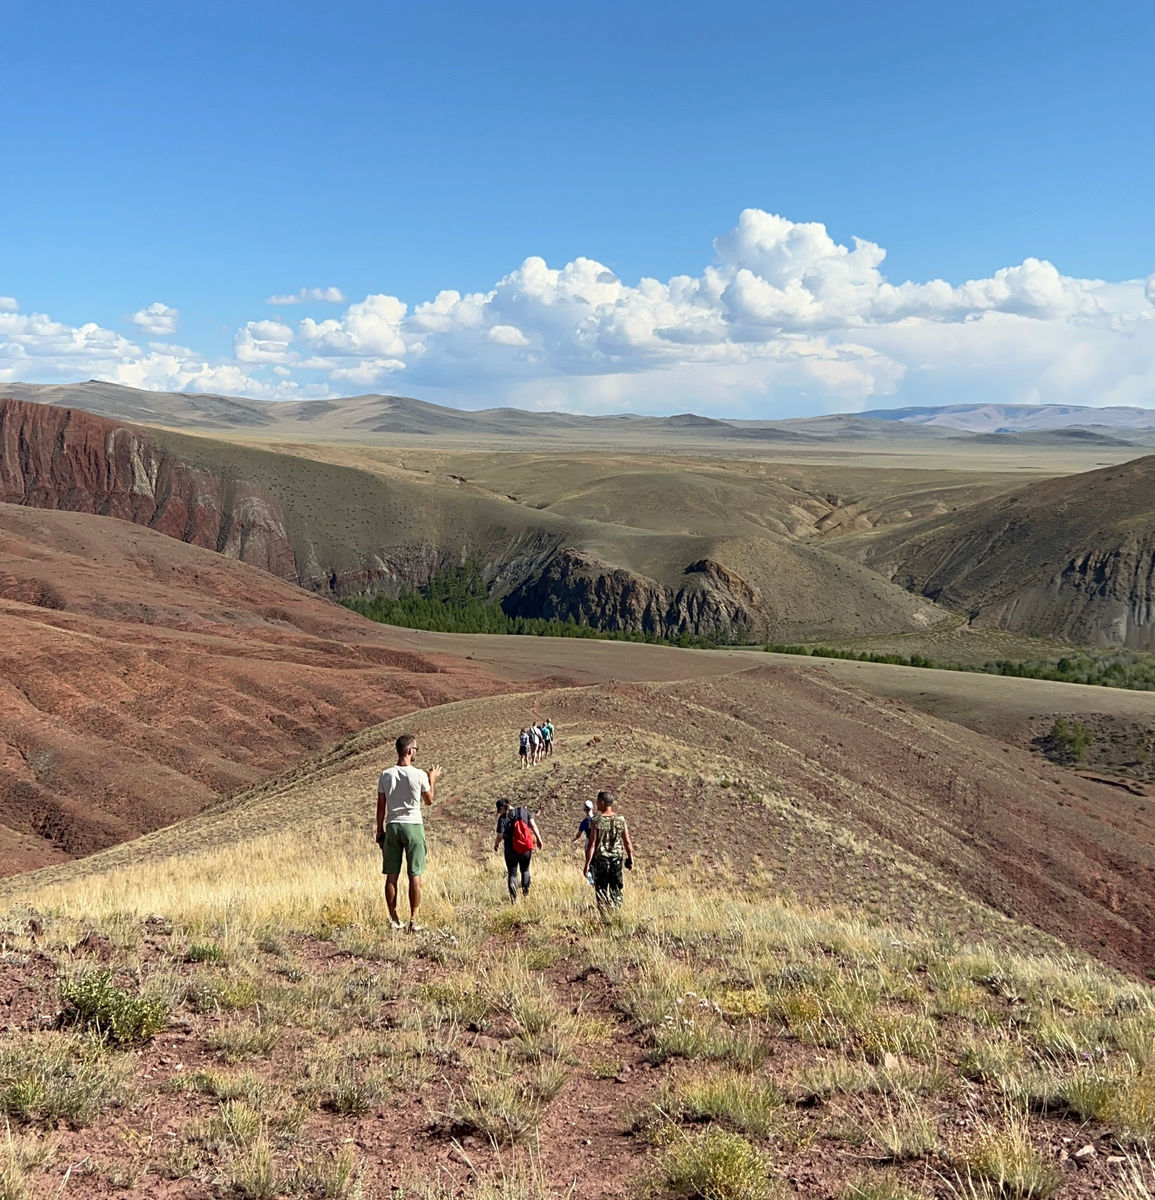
608, 850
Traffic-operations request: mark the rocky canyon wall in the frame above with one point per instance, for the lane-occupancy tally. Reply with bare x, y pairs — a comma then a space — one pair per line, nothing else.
62, 458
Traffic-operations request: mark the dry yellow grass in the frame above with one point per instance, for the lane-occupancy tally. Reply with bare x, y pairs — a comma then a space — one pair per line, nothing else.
705, 974
820, 1034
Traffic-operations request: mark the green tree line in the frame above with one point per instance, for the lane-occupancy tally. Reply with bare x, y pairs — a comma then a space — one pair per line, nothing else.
1127, 669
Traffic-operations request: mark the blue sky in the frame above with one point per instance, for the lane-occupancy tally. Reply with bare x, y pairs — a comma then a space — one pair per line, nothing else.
172, 168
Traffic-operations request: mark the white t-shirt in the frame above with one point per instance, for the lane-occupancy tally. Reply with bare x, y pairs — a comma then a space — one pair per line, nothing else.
402, 787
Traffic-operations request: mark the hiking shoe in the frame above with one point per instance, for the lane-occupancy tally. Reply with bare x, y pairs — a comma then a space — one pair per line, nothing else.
413, 928
395, 923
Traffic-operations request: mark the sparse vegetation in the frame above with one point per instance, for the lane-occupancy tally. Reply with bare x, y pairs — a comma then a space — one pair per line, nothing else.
726, 1103
733, 1038
52, 1077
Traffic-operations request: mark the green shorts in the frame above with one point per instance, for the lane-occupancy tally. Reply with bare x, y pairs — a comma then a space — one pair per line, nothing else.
407, 838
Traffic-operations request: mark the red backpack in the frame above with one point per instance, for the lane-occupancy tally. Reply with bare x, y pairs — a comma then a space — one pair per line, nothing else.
521, 840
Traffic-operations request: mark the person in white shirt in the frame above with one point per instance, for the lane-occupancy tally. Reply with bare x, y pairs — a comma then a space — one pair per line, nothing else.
400, 828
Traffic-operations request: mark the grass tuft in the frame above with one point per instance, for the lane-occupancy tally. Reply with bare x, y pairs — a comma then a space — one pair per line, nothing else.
742, 1101
505, 1104
20, 1155
69, 1078
714, 1164
880, 1187
1003, 1161
204, 952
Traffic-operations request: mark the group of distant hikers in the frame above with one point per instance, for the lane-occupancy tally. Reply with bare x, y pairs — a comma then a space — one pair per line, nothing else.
404, 788
535, 742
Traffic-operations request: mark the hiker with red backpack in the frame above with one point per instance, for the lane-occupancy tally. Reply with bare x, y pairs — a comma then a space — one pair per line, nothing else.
518, 831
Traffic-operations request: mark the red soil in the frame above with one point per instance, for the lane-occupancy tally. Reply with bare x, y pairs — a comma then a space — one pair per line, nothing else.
141, 679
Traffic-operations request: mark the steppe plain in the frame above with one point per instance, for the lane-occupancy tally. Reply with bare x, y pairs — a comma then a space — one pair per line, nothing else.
876, 944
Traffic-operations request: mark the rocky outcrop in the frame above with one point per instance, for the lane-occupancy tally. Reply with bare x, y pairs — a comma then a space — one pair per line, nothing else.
62, 458
713, 601
1102, 597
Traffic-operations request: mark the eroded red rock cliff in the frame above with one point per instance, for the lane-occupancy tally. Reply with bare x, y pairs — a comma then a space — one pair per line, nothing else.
63, 458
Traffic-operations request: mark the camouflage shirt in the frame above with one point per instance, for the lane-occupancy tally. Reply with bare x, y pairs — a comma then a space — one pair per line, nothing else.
610, 831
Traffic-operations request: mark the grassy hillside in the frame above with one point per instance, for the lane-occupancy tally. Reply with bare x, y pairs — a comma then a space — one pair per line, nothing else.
791, 770
1069, 558
141, 679
790, 1002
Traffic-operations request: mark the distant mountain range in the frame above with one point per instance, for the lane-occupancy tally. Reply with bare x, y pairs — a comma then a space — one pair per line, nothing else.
1019, 418
368, 416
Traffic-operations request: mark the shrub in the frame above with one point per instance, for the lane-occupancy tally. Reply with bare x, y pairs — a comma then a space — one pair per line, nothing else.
94, 1002
1068, 742
47, 595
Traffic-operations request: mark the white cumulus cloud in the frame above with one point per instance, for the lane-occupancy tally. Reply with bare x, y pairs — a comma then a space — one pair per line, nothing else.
320, 295
157, 320
34, 348
263, 342
780, 319
370, 328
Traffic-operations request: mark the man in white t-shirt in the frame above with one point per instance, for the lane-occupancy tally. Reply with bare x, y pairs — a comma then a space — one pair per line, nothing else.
400, 829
